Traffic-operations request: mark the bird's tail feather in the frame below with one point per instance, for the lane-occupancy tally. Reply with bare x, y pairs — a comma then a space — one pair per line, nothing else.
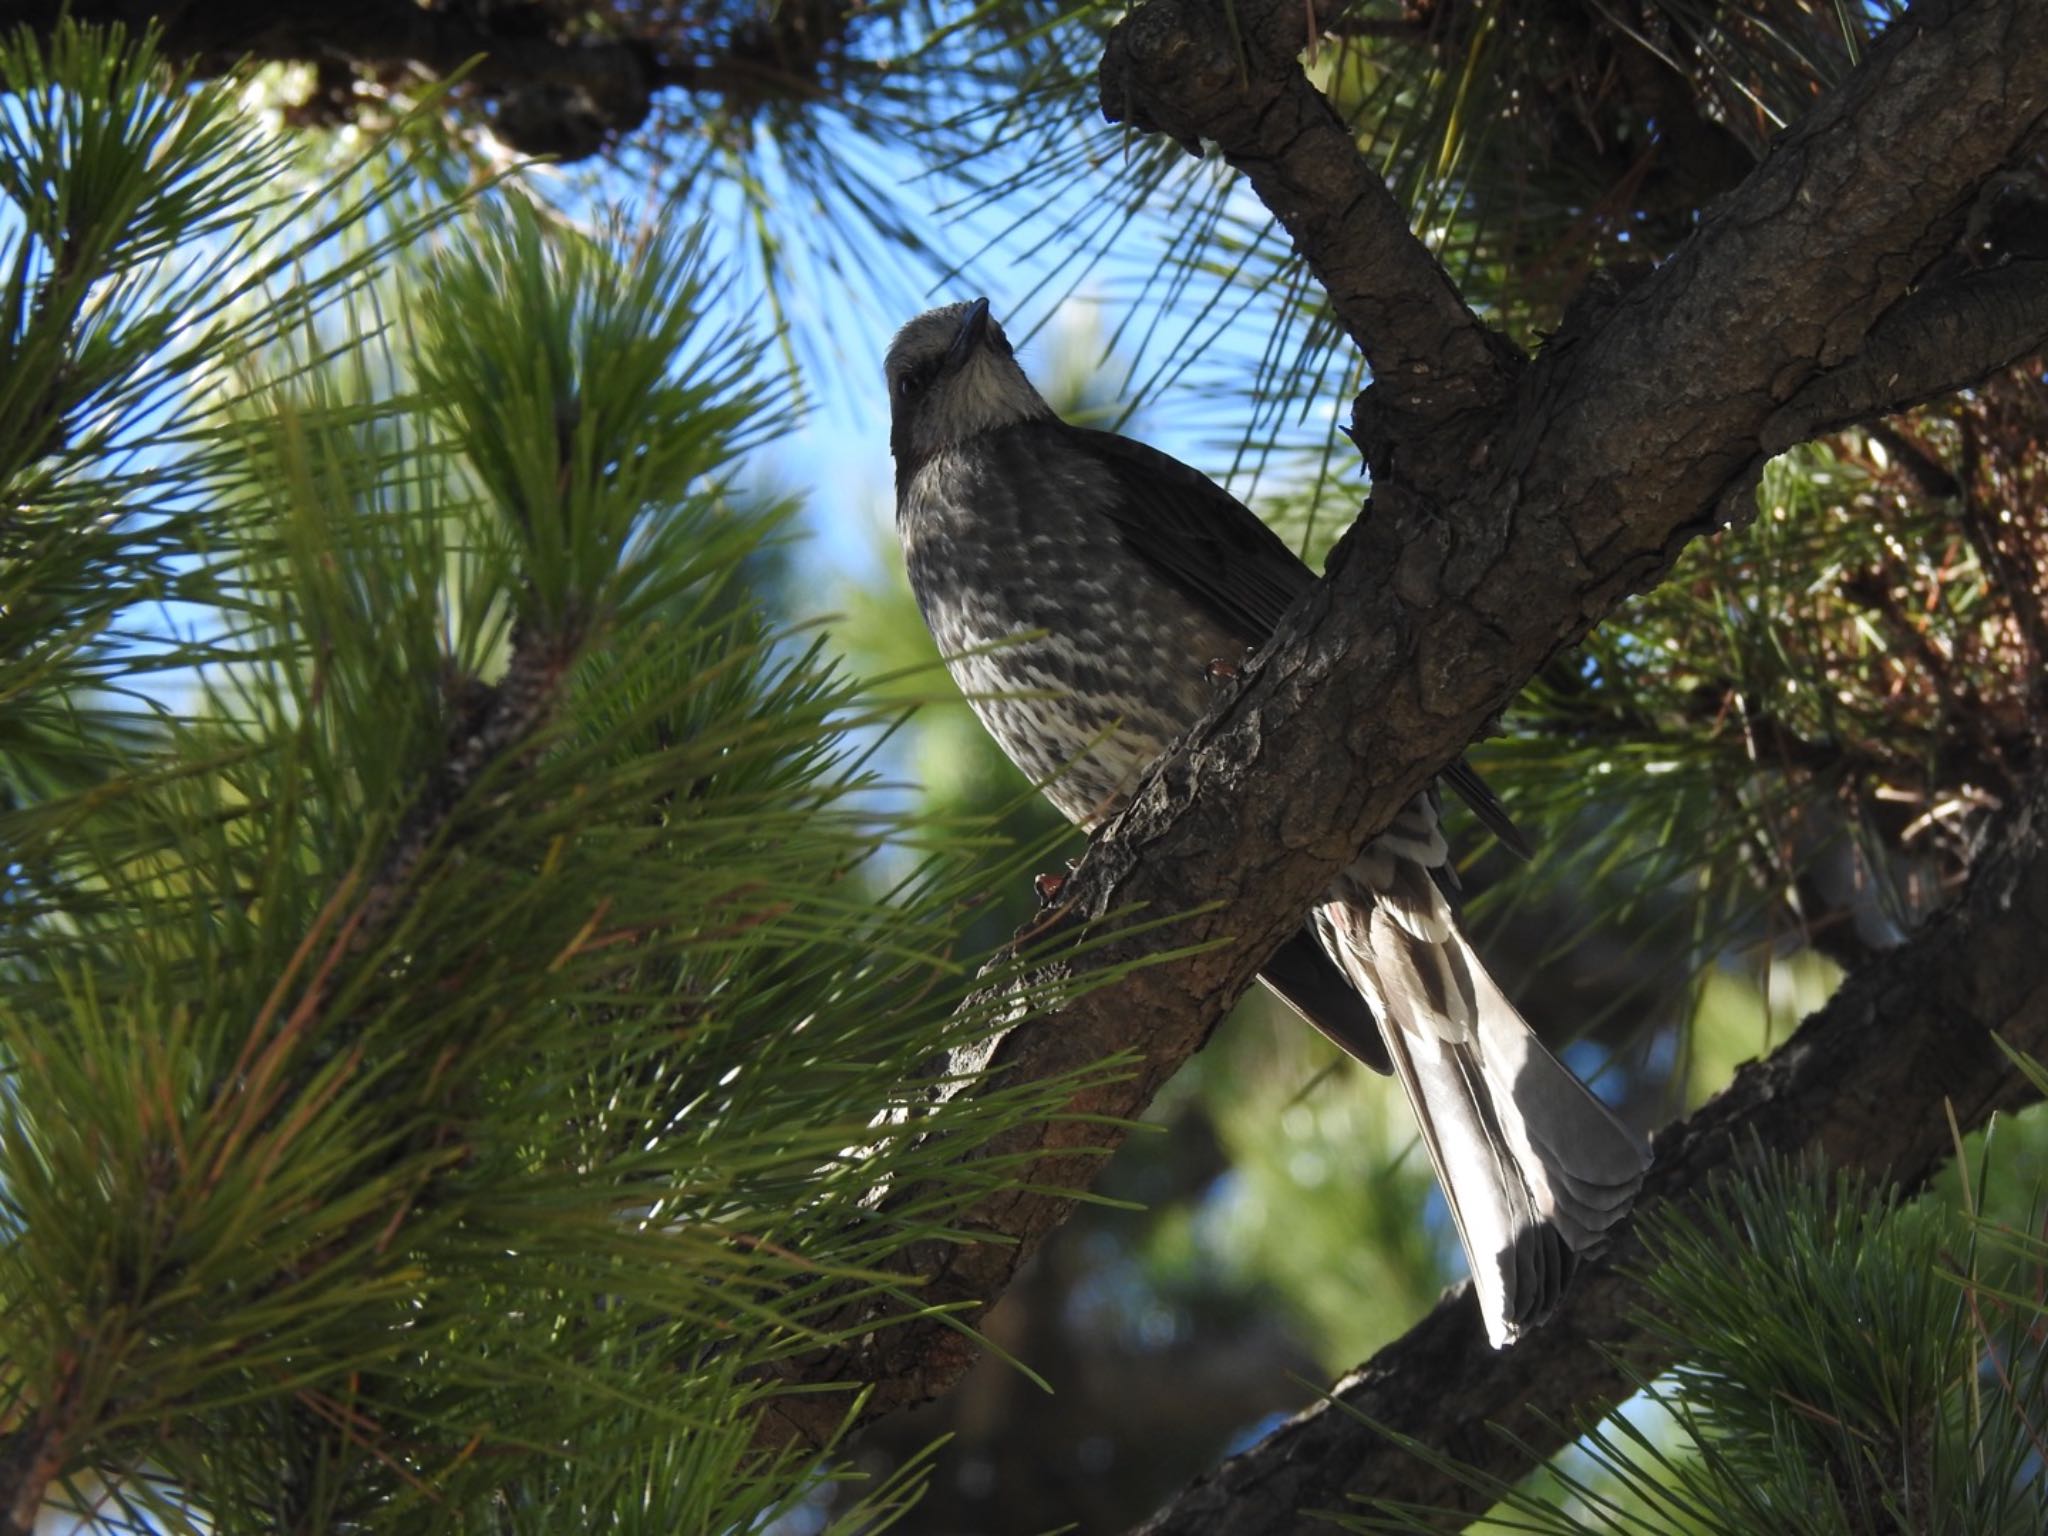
1520, 1262
1583, 1166
1534, 1167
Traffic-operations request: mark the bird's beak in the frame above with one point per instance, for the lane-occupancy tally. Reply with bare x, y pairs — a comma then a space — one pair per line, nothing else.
972, 329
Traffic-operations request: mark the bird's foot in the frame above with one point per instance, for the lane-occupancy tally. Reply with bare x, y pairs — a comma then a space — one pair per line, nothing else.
1221, 671
1048, 887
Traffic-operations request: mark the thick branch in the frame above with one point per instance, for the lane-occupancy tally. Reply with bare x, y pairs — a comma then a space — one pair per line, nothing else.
1228, 73
1619, 448
1792, 272
1931, 343
1863, 1082
613, 80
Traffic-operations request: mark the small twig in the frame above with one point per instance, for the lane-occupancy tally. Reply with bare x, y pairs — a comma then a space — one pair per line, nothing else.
34, 1456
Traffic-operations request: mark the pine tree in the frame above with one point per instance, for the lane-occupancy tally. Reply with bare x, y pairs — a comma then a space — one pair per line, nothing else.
472, 1001
464, 1002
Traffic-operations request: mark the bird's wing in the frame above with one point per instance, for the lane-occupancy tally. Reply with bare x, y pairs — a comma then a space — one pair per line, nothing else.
1485, 804
1213, 547
1307, 980
1198, 536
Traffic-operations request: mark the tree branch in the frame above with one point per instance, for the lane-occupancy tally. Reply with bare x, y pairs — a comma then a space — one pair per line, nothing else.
490, 724
33, 1454
608, 81
1229, 74
1484, 553
1931, 343
1862, 1082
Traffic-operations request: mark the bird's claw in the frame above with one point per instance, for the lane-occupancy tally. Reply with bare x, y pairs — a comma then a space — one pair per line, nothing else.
1048, 887
1221, 670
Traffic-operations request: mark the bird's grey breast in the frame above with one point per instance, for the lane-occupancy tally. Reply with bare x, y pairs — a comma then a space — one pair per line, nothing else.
1008, 535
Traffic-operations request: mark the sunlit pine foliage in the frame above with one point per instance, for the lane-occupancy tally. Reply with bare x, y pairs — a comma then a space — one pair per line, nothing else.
454, 1044
1812, 721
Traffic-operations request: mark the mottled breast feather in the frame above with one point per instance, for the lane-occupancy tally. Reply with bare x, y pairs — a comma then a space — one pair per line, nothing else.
1121, 666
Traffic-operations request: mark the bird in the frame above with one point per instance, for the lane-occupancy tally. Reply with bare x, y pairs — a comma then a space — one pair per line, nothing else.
1083, 589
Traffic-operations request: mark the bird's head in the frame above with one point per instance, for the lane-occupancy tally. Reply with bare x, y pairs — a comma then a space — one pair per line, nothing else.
952, 376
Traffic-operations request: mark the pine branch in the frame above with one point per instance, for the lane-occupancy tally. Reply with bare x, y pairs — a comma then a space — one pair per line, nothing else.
497, 723
612, 79
1228, 73
1931, 343
1865, 1082
1497, 543
30, 1459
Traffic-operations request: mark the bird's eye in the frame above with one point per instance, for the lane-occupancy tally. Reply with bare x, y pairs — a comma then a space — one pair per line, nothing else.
912, 381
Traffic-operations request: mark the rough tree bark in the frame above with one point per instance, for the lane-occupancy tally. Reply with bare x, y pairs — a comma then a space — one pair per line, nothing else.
1515, 503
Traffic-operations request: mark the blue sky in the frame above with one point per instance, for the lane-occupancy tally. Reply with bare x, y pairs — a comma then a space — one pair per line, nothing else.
1065, 305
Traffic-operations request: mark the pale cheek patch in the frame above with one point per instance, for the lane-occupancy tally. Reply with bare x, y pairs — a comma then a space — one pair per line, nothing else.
989, 392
